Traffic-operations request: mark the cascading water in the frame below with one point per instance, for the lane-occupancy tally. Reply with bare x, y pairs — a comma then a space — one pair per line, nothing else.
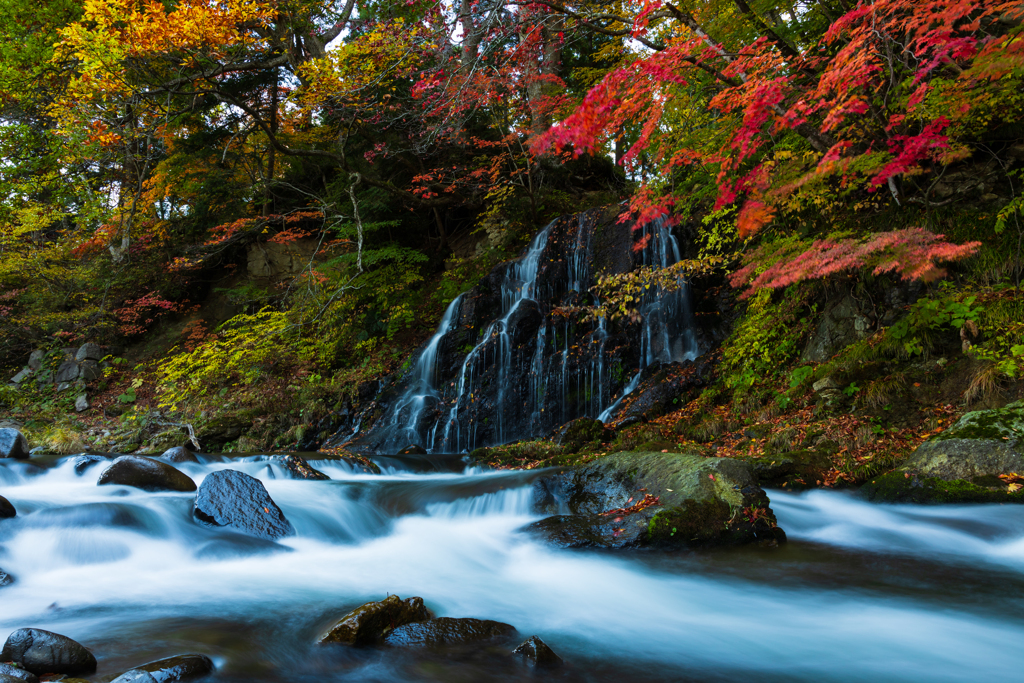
862, 592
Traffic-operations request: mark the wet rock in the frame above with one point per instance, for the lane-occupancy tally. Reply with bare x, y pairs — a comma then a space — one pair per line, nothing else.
664, 387
536, 653
368, 624
447, 631
179, 454
297, 468
42, 652
84, 461
146, 474
962, 464
5, 578
236, 500
13, 444
89, 351
584, 430
9, 673
6, 509
630, 500
413, 449
179, 668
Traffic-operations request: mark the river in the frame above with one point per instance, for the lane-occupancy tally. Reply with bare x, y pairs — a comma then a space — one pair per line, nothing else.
861, 592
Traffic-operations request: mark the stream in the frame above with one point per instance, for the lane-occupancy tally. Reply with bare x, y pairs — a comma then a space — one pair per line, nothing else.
861, 592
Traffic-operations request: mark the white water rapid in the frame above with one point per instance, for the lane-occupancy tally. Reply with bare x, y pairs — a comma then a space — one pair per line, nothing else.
861, 593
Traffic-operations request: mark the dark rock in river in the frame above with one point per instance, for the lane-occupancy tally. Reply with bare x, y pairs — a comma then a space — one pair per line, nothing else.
5, 578
179, 668
236, 500
146, 474
367, 624
414, 449
10, 673
179, 454
42, 652
962, 464
446, 631
84, 461
298, 468
6, 509
655, 499
792, 469
13, 444
536, 653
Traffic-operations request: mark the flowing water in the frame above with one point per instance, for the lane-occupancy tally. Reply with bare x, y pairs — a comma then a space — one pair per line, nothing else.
861, 593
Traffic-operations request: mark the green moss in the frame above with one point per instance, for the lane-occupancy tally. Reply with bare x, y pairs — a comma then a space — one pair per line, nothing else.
988, 424
693, 523
897, 487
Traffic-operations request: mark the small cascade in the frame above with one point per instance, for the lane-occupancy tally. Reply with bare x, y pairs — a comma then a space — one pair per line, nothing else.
406, 415
534, 361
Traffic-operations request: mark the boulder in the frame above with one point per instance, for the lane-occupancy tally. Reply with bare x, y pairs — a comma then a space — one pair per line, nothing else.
13, 444
179, 454
146, 474
84, 461
9, 673
89, 370
6, 509
89, 351
630, 500
537, 654
963, 463
67, 372
35, 359
22, 375
297, 468
368, 624
179, 668
5, 578
42, 652
82, 403
446, 632
236, 500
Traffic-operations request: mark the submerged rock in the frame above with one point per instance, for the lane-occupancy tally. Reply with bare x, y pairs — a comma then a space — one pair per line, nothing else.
179, 668
9, 673
367, 624
962, 464
179, 454
233, 499
298, 468
536, 653
146, 474
86, 460
5, 578
447, 631
13, 444
42, 652
630, 500
6, 509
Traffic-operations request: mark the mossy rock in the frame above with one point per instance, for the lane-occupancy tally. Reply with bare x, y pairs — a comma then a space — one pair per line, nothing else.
903, 487
699, 501
793, 469
1000, 424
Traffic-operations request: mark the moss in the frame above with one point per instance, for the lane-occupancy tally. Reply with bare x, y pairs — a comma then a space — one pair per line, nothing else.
693, 523
898, 487
988, 424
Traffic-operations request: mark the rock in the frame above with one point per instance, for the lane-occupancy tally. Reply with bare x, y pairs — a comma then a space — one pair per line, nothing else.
179, 454
42, 652
89, 370
146, 474
9, 673
6, 509
13, 444
24, 374
826, 384
655, 499
536, 653
67, 372
963, 463
85, 461
82, 403
35, 359
367, 624
221, 430
179, 668
792, 469
5, 578
297, 468
233, 499
446, 631
578, 433
841, 324
662, 388
413, 449
89, 351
